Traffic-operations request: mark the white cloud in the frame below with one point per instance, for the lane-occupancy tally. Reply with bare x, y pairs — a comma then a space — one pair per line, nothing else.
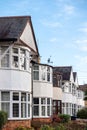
81, 44
52, 24
53, 40
69, 9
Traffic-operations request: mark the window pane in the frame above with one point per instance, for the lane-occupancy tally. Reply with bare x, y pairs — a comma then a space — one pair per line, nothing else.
15, 110
43, 110
15, 50
6, 107
5, 96
5, 61
36, 100
48, 110
23, 110
22, 59
36, 67
43, 101
28, 97
36, 110
36, 75
15, 61
23, 96
48, 100
28, 110
15, 96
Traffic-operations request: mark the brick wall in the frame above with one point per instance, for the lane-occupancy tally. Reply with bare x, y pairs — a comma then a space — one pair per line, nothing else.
12, 124
48, 120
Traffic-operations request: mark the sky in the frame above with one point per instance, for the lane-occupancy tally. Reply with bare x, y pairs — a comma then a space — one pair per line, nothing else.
60, 27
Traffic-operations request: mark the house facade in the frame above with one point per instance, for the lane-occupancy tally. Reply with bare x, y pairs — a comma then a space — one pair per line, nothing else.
70, 91
30, 90
17, 47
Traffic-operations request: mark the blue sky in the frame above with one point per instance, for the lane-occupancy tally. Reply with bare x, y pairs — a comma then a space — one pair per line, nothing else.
60, 28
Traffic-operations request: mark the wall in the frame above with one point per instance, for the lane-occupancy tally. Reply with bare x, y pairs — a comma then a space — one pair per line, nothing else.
57, 93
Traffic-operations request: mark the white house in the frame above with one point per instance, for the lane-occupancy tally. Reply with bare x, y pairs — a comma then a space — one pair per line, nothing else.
42, 92
17, 47
69, 86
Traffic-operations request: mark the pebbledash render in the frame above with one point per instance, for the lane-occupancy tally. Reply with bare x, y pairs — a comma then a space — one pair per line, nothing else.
30, 90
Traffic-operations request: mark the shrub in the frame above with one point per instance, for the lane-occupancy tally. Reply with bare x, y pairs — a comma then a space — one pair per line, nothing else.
60, 127
82, 113
23, 128
36, 124
64, 118
3, 119
46, 127
56, 118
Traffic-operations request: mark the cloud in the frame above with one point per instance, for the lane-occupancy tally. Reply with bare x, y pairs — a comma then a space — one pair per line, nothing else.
69, 9
53, 40
52, 24
81, 44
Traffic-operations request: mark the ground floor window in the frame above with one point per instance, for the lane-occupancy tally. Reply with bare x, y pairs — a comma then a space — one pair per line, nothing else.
42, 107
69, 108
16, 104
57, 107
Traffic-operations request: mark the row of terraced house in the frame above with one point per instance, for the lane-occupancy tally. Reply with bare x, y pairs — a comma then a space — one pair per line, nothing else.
30, 90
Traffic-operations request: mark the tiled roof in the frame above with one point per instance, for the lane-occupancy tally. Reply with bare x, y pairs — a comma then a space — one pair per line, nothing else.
65, 71
12, 27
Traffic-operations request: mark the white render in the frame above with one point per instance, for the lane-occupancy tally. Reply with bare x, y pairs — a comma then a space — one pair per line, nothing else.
42, 89
15, 80
27, 37
57, 93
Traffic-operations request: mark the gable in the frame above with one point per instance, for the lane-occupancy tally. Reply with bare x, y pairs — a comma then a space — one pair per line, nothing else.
28, 38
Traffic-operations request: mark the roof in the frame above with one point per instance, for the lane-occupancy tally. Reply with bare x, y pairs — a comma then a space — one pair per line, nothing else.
12, 27
65, 71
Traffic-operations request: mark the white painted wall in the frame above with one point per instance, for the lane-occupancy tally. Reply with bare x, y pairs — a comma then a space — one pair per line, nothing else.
57, 93
15, 80
27, 37
42, 89
69, 98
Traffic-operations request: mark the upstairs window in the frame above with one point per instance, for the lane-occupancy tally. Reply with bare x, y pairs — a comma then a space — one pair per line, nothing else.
5, 59
48, 73
22, 59
36, 72
15, 59
43, 68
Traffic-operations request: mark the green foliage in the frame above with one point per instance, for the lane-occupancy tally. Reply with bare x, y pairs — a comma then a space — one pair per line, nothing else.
60, 127
46, 127
82, 113
3, 119
36, 124
64, 118
23, 128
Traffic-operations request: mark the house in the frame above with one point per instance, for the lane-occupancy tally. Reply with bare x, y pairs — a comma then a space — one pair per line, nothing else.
42, 92
57, 92
70, 90
17, 47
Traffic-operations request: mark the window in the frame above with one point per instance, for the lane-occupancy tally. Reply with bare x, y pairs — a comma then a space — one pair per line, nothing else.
36, 106
43, 72
5, 59
36, 72
23, 59
48, 73
5, 102
15, 109
15, 59
16, 96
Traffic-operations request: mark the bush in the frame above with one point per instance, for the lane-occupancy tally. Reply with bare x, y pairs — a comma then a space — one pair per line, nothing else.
36, 124
3, 119
82, 113
60, 127
23, 128
56, 118
64, 118
46, 127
